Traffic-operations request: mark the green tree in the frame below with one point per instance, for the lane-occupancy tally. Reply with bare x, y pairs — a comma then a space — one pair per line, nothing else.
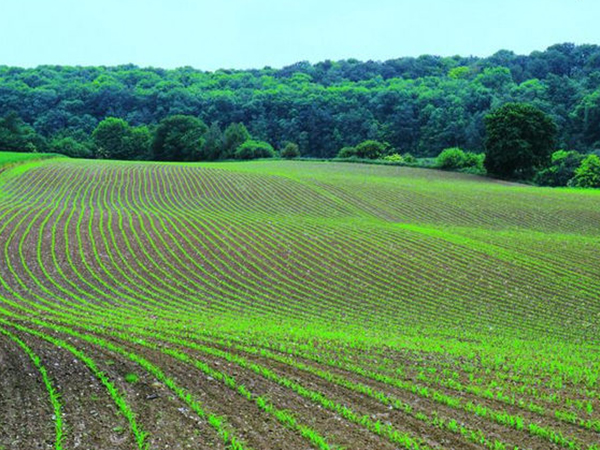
212, 149
234, 136
460, 72
17, 136
179, 138
290, 151
254, 149
70, 147
587, 118
110, 139
520, 139
139, 142
114, 138
588, 174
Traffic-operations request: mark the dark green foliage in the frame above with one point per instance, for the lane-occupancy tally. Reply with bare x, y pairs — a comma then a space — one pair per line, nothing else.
520, 139
252, 149
179, 138
140, 142
420, 105
235, 135
113, 138
347, 152
409, 159
70, 147
562, 168
588, 174
587, 119
212, 148
290, 151
110, 139
17, 136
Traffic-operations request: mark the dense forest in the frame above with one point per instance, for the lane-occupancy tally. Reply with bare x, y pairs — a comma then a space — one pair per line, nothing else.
417, 105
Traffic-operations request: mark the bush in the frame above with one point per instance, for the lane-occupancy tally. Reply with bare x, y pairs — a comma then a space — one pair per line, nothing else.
587, 174
252, 149
365, 150
451, 158
70, 147
456, 159
290, 151
409, 159
370, 149
474, 161
394, 157
347, 152
562, 168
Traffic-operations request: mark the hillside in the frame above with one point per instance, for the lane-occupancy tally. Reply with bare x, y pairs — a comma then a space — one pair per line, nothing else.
418, 105
288, 305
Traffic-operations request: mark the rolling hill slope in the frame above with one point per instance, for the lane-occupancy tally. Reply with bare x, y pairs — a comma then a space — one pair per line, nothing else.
318, 305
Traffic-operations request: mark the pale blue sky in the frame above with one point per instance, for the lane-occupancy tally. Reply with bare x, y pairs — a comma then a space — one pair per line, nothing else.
254, 33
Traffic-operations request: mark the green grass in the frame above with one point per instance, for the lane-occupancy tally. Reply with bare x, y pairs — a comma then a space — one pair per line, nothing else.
467, 307
9, 158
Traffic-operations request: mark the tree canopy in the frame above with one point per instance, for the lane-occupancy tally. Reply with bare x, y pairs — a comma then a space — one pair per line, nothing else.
418, 105
179, 138
520, 139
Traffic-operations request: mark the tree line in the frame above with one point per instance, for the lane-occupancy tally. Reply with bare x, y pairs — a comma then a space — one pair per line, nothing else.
418, 105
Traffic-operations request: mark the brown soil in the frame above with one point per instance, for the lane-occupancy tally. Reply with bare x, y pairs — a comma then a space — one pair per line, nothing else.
25, 409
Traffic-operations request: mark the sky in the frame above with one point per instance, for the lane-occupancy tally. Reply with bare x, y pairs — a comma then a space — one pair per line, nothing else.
242, 34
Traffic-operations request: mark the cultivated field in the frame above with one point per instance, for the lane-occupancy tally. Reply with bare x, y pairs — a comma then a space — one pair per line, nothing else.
294, 305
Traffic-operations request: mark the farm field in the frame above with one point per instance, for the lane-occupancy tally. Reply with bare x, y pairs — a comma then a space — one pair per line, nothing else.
294, 305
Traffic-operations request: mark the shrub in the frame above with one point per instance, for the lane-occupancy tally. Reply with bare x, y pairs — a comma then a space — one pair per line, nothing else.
409, 159
456, 159
290, 151
587, 174
252, 149
70, 147
347, 152
451, 158
394, 157
475, 161
562, 168
370, 149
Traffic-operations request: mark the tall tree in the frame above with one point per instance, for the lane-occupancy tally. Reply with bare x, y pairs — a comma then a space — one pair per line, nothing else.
235, 135
520, 139
110, 139
114, 138
179, 138
212, 148
17, 136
